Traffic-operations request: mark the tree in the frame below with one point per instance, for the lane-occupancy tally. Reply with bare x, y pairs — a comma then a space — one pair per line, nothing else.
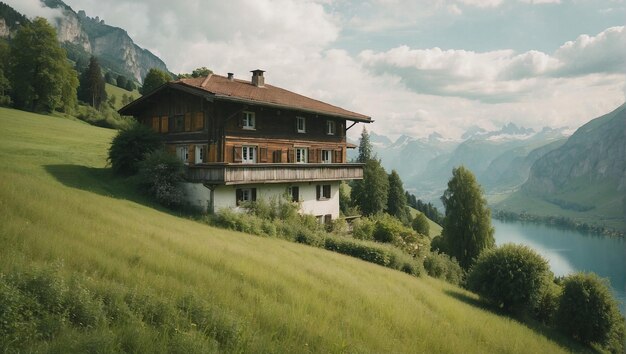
420, 224
589, 313
201, 72
121, 81
130, 146
5, 84
41, 76
130, 86
370, 193
365, 147
108, 78
512, 277
161, 175
396, 199
153, 80
467, 227
92, 86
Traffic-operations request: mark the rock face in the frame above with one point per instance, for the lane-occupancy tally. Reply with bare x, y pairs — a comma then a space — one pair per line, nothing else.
594, 155
116, 51
4, 29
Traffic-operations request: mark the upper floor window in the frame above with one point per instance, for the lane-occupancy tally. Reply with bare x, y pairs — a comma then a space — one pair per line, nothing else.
248, 154
248, 120
327, 156
301, 124
302, 155
331, 128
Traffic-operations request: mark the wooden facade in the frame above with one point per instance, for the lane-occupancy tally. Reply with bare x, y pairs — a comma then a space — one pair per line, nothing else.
225, 141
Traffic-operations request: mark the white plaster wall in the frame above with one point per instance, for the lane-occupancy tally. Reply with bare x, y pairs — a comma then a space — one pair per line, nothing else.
198, 195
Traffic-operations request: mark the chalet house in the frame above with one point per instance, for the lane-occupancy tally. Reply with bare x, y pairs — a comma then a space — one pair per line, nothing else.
242, 140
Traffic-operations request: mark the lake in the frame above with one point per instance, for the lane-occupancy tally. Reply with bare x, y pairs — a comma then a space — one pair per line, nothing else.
571, 251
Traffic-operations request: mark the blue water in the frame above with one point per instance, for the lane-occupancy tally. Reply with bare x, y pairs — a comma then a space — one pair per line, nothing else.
571, 251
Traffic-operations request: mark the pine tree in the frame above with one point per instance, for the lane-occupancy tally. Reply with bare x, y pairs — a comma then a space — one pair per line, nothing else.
467, 227
365, 147
396, 200
370, 193
41, 77
92, 86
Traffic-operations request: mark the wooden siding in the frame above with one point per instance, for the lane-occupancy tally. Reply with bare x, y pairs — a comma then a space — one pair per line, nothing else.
272, 173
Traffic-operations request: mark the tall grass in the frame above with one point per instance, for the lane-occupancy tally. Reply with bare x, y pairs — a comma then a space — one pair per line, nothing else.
157, 282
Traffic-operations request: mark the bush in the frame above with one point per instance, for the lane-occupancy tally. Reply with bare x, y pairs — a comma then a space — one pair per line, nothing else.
105, 117
388, 229
420, 224
511, 277
363, 229
441, 266
161, 175
589, 313
548, 303
130, 146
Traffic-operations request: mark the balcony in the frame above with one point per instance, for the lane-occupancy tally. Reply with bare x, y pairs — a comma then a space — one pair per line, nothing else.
238, 173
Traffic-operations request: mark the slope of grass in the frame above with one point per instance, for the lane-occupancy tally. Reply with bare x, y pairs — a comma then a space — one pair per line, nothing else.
434, 230
118, 92
166, 280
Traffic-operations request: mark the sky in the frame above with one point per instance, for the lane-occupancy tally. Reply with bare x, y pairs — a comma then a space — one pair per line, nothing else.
415, 67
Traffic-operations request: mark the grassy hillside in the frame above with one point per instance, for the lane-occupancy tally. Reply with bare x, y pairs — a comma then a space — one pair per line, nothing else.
113, 90
166, 283
434, 230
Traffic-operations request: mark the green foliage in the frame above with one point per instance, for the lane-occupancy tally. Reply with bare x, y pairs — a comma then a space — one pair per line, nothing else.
121, 81
108, 78
161, 175
365, 148
548, 303
105, 117
41, 77
363, 229
201, 72
130, 146
345, 202
91, 89
154, 78
589, 313
396, 200
441, 266
420, 224
511, 277
427, 209
467, 227
389, 229
370, 193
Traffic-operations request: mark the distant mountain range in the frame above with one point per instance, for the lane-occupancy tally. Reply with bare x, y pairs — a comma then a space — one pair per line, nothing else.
500, 159
83, 36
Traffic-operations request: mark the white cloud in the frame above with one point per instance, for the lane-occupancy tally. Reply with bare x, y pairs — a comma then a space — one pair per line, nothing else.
482, 3
33, 8
605, 52
539, 2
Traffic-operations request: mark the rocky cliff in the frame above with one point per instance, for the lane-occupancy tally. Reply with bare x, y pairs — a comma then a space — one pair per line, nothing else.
83, 36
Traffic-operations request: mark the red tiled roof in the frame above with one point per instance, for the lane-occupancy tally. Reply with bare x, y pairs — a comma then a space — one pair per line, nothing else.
241, 90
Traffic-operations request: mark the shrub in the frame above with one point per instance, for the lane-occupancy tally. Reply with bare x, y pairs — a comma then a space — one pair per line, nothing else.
511, 276
308, 237
442, 266
130, 146
420, 224
548, 303
161, 175
388, 229
363, 229
588, 312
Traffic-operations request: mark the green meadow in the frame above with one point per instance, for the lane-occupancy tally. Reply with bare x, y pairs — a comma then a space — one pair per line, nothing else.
128, 276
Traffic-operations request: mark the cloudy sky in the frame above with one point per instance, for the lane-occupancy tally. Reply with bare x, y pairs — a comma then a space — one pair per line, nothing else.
416, 67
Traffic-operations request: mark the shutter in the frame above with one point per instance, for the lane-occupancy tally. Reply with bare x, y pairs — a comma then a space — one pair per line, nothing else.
236, 154
192, 154
198, 121
240, 120
291, 158
164, 124
238, 196
263, 154
295, 194
340, 129
187, 122
318, 192
204, 153
253, 194
155, 124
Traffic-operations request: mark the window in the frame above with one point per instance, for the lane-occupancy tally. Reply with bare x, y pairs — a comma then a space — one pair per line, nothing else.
322, 192
300, 124
294, 193
245, 195
200, 152
248, 120
328, 218
327, 156
330, 127
248, 154
178, 123
302, 155
183, 153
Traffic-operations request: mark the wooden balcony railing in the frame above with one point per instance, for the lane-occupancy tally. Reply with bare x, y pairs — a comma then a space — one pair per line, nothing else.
238, 173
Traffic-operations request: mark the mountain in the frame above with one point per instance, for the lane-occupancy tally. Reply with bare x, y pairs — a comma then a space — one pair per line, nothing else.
82, 37
585, 178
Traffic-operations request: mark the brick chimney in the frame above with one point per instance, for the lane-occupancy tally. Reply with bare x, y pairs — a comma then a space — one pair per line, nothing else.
257, 78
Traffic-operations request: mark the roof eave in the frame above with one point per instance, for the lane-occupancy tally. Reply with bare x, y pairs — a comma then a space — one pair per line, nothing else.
128, 109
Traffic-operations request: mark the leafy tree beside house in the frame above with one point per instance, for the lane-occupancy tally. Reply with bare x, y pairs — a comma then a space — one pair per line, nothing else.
92, 85
396, 200
154, 79
467, 227
41, 77
371, 193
